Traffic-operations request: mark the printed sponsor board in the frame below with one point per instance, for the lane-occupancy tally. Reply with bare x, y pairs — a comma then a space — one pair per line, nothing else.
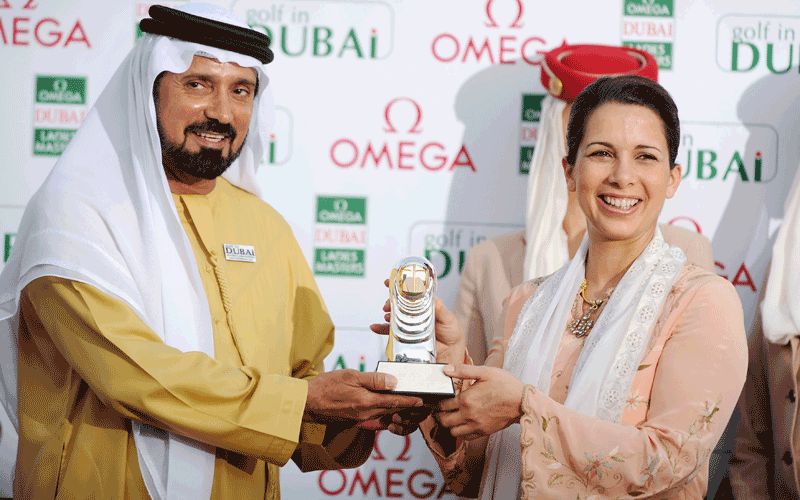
760, 44
716, 158
348, 30
401, 151
496, 40
447, 245
60, 106
22, 24
60, 90
393, 471
726, 152
339, 262
340, 236
649, 25
341, 210
529, 129
281, 139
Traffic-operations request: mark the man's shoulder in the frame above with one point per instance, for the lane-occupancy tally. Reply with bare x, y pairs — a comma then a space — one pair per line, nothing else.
249, 202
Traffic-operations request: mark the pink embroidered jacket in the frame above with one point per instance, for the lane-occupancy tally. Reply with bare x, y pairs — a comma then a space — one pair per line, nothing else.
681, 399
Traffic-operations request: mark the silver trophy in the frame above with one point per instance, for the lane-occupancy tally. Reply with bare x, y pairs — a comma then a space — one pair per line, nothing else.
412, 335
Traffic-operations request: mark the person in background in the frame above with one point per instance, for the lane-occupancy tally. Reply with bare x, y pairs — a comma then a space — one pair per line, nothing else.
555, 224
765, 463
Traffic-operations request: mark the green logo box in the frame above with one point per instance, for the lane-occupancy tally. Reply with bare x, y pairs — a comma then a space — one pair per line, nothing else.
61, 90
7, 245
648, 8
339, 262
341, 210
51, 141
662, 51
532, 107
525, 157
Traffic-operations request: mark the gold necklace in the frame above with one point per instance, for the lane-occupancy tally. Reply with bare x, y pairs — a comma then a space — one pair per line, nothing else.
580, 326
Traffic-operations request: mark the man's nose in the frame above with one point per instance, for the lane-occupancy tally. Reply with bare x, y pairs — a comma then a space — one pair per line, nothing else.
220, 108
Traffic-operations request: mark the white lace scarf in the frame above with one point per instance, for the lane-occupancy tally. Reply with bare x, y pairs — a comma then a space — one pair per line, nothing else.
605, 369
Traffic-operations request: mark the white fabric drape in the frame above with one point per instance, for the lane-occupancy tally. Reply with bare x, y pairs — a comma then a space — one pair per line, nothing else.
780, 309
546, 247
604, 371
105, 216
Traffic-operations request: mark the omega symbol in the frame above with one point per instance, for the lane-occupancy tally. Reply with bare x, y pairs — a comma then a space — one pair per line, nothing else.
491, 23
60, 85
339, 205
688, 219
390, 129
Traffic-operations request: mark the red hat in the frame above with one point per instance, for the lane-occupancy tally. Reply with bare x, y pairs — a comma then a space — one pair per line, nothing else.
569, 69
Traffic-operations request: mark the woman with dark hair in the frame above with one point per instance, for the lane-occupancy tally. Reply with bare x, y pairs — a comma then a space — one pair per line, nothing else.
615, 376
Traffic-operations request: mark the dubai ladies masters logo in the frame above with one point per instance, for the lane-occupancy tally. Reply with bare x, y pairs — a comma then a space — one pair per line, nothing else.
60, 106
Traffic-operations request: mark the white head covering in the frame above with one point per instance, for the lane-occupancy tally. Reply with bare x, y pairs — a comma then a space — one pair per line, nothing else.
780, 309
105, 216
545, 240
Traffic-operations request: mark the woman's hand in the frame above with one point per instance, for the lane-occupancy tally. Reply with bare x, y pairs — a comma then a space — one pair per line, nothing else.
450, 343
451, 346
490, 404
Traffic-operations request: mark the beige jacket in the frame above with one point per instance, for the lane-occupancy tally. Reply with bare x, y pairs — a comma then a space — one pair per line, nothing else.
494, 267
765, 463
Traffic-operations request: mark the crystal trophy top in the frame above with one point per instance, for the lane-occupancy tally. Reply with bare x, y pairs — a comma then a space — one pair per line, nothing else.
411, 351
412, 290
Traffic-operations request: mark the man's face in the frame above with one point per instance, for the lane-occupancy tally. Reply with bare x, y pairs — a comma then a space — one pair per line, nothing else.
203, 117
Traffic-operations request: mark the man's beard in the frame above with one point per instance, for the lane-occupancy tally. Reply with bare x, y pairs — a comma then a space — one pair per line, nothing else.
207, 163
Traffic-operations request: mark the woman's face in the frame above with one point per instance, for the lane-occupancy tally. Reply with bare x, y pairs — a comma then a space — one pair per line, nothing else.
621, 175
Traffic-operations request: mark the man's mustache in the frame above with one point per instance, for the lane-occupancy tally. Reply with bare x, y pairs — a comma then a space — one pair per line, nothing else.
213, 126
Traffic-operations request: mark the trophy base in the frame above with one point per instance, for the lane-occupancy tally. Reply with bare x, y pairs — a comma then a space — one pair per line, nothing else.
426, 380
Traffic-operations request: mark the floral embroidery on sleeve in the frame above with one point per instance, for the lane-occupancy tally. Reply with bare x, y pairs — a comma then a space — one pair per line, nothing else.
613, 473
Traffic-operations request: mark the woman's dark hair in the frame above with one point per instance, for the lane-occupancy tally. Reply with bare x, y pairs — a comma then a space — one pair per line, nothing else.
626, 89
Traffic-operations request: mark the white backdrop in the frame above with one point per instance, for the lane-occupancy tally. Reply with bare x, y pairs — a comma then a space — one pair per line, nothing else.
403, 128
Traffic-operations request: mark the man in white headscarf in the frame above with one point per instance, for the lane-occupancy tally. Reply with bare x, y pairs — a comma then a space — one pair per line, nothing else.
164, 337
555, 224
766, 458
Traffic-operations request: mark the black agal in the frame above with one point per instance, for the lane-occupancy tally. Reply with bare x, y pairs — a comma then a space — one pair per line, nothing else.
190, 28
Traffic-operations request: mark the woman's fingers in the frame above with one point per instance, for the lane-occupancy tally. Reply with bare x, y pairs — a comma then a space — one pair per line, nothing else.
466, 372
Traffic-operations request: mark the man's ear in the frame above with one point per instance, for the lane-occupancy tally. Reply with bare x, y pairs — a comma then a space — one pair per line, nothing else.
568, 170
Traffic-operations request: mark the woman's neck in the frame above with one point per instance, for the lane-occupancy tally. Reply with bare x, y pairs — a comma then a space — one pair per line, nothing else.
608, 260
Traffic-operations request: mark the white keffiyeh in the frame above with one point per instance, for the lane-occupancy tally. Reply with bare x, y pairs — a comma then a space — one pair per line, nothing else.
605, 369
105, 216
780, 309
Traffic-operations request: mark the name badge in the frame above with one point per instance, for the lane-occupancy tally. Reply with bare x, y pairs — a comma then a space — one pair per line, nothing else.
241, 253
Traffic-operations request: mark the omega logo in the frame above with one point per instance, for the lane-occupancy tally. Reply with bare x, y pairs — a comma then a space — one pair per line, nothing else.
491, 23
340, 205
414, 128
